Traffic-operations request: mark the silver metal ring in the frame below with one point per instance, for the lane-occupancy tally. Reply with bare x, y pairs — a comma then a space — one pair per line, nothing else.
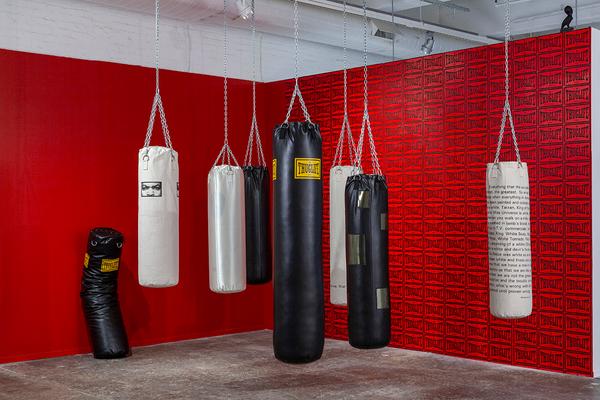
93, 243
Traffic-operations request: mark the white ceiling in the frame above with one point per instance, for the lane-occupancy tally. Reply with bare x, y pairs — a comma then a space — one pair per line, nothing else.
321, 20
485, 17
191, 30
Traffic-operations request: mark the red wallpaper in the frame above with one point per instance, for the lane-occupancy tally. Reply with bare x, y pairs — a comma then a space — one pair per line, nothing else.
69, 140
435, 120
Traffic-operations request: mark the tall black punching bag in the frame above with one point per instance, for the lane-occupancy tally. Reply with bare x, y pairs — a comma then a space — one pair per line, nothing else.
99, 294
298, 333
367, 276
367, 261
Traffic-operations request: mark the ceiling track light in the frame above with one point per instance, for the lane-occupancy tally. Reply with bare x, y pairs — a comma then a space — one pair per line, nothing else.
501, 3
427, 47
244, 8
380, 33
453, 7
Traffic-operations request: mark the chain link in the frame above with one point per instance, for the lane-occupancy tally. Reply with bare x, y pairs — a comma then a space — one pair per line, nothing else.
157, 102
366, 121
254, 125
297, 92
507, 111
339, 151
226, 154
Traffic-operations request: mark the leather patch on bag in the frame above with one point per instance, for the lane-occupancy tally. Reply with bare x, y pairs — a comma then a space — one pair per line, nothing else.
86, 260
383, 298
307, 168
109, 265
355, 250
274, 168
363, 199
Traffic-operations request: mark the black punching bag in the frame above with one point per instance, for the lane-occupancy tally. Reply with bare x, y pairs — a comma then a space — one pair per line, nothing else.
367, 261
258, 252
99, 294
298, 333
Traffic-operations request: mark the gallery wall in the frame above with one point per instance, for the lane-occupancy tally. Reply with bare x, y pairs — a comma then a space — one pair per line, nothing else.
71, 131
435, 121
70, 136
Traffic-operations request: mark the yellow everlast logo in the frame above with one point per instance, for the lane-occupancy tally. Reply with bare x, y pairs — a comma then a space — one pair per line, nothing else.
274, 168
109, 265
86, 260
307, 168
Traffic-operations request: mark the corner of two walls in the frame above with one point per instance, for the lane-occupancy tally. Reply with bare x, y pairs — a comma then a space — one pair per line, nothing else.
71, 134
435, 120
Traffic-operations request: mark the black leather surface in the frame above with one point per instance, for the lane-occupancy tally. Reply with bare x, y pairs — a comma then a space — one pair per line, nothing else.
368, 326
298, 333
99, 295
258, 243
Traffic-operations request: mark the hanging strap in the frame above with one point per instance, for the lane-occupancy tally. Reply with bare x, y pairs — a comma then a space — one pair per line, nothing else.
225, 155
297, 92
254, 125
366, 121
339, 151
507, 110
157, 103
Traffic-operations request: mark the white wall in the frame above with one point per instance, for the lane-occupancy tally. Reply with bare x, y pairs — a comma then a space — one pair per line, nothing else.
77, 29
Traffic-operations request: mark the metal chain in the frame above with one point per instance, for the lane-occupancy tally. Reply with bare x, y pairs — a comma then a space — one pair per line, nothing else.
156, 42
339, 151
297, 92
366, 122
157, 102
254, 125
507, 112
225, 152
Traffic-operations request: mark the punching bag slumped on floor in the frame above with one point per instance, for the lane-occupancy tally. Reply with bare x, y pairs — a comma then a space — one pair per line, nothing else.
158, 209
99, 296
298, 333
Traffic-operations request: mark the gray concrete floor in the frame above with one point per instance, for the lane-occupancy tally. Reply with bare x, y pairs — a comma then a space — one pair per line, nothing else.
242, 367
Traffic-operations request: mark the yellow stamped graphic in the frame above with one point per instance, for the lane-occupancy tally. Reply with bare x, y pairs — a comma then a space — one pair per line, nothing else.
86, 260
307, 168
109, 265
274, 168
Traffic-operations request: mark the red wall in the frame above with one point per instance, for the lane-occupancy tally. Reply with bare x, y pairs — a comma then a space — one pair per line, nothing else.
69, 140
435, 121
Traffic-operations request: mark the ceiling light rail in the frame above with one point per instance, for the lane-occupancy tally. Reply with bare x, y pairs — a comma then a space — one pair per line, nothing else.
400, 20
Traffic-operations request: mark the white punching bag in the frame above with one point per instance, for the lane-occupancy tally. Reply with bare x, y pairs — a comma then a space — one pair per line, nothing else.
509, 230
338, 175
158, 200
226, 229
337, 233
226, 211
509, 242
158, 217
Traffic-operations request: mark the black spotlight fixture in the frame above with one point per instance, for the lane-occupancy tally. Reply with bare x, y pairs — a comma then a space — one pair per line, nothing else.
566, 24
